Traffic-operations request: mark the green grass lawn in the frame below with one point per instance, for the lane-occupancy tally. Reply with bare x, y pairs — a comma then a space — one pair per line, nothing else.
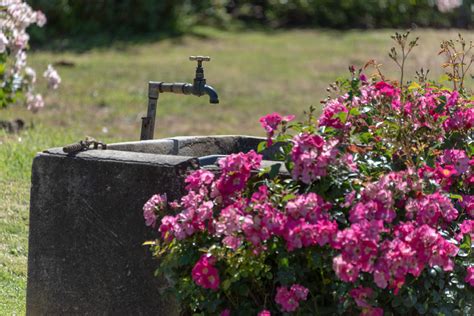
104, 95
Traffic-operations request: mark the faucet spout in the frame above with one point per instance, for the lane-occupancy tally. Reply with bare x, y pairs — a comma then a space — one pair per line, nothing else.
213, 97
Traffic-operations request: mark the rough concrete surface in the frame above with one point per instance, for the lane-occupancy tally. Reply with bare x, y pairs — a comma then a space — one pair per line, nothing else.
86, 232
86, 224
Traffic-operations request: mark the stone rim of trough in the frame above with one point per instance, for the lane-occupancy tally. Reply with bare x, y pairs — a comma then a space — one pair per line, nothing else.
175, 150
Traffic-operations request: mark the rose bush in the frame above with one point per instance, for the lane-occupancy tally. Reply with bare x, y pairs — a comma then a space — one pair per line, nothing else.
367, 210
18, 80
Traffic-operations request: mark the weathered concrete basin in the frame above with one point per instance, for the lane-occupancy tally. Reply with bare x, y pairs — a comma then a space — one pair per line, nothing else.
86, 226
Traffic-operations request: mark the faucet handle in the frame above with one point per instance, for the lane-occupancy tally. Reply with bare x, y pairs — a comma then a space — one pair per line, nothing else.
199, 79
199, 59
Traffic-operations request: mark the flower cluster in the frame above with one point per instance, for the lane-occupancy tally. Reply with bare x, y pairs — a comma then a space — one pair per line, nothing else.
272, 122
236, 172
15, 17
362, 297
409, 252
289, 299
205, 274
331, 116
312, 155
377, 206
156, 202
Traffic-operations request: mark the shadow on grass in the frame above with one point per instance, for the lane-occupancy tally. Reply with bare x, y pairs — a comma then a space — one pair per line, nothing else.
81, 43
86, 42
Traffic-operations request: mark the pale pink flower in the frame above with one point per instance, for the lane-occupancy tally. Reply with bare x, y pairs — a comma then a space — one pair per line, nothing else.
40, 18
445, 6
53, 77
30, 73
20, 40
155, 203
34, 102
20, 61
3, 42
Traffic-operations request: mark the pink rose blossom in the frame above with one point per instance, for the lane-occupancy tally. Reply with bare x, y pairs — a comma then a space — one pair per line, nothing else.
198, 179
360, 296
468, 204
470, 276
289, 299
34, 102
270, 123
155, 203
225, 312
386, 89
330, 116
466, 227
53, 77
312, 155
346, 271
40, 18
236, 169
205, 274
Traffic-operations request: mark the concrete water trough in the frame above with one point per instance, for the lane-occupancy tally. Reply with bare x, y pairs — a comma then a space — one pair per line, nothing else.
86, 225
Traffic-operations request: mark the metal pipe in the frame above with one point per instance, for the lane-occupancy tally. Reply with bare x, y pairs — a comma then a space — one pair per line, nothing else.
213, 97
198, 88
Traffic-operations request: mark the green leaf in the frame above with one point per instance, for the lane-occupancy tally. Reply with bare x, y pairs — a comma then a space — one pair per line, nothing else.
443, 78
263, 171
414, 86
470, 149
261, 146
396, 301
327, 130
410, 300
342, 116
456, 196
466, 243
354, 112
365, 137
226, 284
284, 262
286, 276
243, 289
288, 197
274, 170
422, 308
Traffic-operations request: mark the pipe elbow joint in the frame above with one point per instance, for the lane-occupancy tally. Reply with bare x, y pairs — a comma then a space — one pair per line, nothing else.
211, 92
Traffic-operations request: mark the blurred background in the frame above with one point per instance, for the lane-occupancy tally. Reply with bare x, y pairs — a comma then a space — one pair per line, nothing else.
266, 56
172, 17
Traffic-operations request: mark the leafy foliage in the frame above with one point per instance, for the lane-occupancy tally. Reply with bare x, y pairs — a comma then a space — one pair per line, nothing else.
374, 213
126, 17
